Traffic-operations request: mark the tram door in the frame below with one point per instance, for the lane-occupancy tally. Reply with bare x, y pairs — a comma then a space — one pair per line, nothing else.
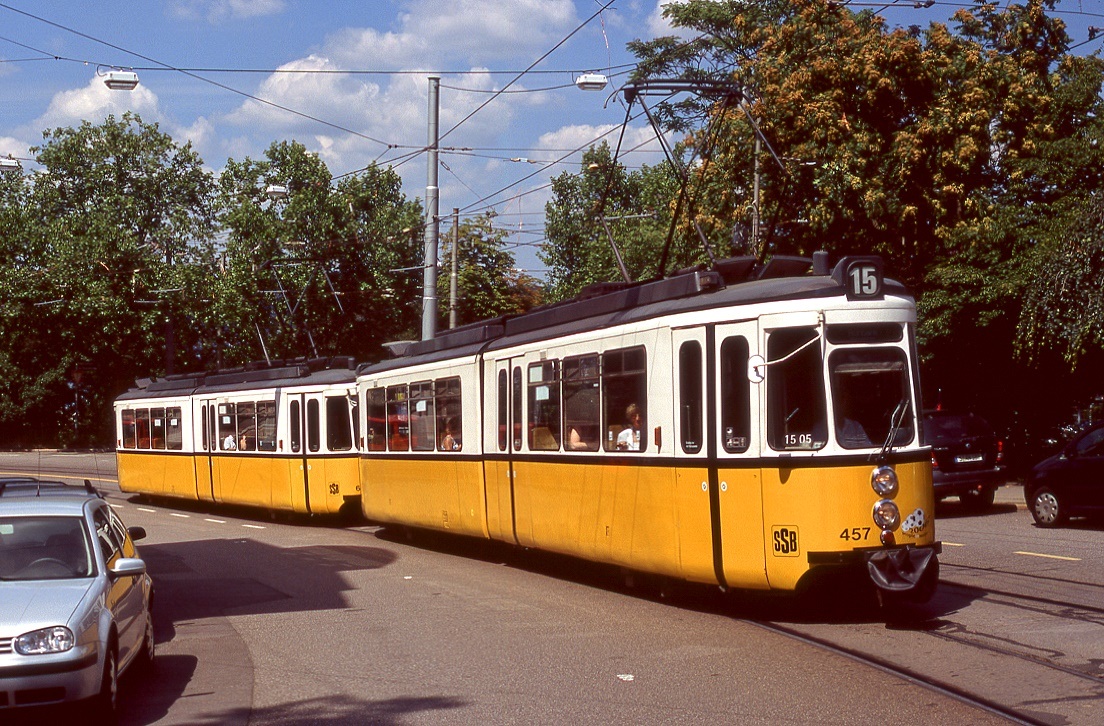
736, 423
505, 443
304, 444
208, 439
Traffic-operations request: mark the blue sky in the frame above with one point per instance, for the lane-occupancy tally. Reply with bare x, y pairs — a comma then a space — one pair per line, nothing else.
52, 51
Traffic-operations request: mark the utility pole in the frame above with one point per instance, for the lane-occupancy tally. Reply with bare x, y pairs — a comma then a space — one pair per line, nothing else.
429, 289
455, 255
755, 203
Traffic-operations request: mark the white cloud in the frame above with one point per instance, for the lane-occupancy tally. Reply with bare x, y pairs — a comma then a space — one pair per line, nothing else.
94, 103
10, 146
219, 10
659, 26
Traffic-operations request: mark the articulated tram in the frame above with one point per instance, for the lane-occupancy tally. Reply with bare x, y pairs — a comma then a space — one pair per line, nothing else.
744, 426
279, 436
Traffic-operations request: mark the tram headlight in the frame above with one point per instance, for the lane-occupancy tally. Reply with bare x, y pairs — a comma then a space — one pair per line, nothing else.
887, 515
884, 481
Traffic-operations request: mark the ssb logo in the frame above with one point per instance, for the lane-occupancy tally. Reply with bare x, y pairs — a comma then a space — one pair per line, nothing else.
785, 540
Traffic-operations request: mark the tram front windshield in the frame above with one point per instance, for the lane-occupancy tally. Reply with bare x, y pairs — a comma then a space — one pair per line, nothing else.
870, 392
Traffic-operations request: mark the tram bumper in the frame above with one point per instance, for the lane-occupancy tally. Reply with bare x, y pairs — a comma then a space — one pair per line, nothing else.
903, 568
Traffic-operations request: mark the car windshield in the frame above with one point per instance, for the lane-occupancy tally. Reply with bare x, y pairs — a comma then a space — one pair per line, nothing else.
43, 548
951, 426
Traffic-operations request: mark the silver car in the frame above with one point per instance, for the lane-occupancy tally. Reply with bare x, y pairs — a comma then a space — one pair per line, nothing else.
75, 600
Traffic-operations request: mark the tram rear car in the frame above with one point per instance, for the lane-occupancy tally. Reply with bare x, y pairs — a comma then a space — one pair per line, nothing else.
277, 437
740, 427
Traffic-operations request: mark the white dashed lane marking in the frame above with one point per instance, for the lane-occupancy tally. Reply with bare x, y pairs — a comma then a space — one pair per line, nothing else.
216, 521
1049, 557
178, 514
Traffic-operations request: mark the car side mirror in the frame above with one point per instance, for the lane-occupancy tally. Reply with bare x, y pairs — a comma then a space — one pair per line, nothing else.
136, 533
127, 567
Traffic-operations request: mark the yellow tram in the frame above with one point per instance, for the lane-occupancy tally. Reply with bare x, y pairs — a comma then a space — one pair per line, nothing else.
278, 436
745, 426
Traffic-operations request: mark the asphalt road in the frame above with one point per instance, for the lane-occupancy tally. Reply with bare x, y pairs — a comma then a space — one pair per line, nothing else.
302, 621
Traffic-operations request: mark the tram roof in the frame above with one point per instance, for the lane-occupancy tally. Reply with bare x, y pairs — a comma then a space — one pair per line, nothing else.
733, 282
276, 374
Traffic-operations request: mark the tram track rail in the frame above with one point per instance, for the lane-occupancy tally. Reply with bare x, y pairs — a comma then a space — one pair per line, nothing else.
905, 673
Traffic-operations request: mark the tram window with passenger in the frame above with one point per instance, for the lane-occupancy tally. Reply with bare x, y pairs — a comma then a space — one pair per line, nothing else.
796, 417
227, 434
130, 429
870, 394
735, 395
449, 421
580, 403
624, 385
247, 426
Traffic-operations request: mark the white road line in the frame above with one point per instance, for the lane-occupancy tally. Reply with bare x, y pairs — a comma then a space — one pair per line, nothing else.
146, 509
253, 526
952, 544
216, 521
177, 514
1049, 557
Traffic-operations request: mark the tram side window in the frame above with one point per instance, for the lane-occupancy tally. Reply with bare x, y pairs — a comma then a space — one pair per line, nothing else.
690, 396
228, 440
143, 425
544, 406
247, 426
422, 417
796, 418
295, 422
625, 399
735, 395
130, 429
580, 403
174, 429
450, 432
398, 419
516, 414
376, 411
266, 425
157, 428
339, 434
503, 410
314, 435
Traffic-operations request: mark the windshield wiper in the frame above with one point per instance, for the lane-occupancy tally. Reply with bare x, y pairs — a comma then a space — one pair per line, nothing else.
895, 422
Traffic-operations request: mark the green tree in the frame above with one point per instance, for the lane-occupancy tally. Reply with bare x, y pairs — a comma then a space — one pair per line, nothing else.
637, 206
116, 211
488, 284
316, 270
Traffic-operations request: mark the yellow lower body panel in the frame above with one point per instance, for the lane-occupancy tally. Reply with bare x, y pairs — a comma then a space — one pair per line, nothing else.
446, 495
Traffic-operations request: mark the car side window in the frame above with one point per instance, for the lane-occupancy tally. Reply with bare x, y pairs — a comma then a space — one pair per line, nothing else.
121, 535
109, 540
1092, 444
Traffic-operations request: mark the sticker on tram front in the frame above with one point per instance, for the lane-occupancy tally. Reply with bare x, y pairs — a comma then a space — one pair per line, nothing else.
785, 540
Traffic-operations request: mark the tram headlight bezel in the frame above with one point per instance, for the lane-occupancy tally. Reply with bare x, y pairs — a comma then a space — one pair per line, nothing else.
884, 482
886, 515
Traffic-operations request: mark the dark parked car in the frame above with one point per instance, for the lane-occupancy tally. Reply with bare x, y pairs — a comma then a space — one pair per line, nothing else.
1070, 483
967, 457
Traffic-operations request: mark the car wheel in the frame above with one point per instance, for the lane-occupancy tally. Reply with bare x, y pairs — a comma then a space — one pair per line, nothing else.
977, 501
149, 645
1046, 508
107, 702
